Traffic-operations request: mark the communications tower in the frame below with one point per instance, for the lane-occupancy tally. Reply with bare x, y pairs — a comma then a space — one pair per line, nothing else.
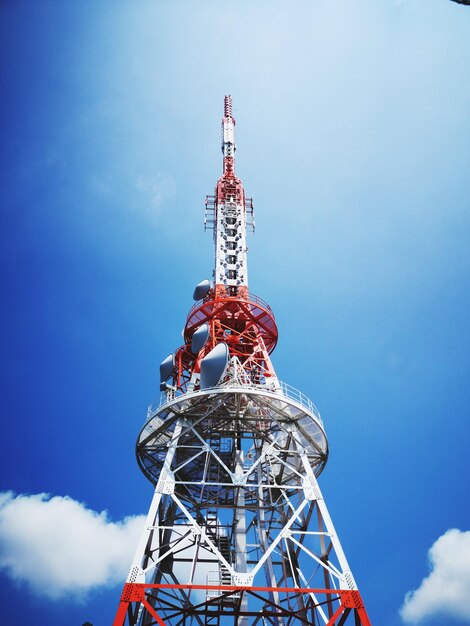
238, 532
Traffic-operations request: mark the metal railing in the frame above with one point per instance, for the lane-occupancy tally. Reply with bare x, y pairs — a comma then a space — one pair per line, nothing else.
251, 297
279, 389
299, 397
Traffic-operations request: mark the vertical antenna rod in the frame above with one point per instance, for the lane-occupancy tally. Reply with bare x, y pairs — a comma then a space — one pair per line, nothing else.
230, 217
228, 138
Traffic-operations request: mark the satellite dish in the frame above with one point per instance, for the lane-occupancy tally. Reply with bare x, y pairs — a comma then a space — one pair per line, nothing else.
166, 368
213, 366
199, 338
201, 289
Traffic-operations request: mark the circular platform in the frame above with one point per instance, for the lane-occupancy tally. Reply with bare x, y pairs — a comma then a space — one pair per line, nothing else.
236, 313
231, 418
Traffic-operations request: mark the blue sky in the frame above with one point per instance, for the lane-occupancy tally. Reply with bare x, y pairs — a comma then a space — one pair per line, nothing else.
353, 134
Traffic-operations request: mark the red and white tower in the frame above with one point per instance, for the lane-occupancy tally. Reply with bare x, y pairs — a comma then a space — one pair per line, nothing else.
238, 532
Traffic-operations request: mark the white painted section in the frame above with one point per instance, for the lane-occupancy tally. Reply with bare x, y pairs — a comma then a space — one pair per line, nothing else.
230, 244
228, 137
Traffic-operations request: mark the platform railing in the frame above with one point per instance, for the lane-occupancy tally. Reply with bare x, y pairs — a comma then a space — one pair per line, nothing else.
251, 297
297, 395
280, 389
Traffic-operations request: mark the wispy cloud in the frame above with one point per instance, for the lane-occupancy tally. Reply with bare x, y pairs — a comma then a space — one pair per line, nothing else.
59, 546
157, 189
445, 592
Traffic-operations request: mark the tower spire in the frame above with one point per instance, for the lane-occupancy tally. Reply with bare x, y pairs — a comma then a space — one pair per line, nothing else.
238, 532
230, 214
228, 106
228, 138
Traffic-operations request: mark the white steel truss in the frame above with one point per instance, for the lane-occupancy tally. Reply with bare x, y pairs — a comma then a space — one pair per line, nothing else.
237, 504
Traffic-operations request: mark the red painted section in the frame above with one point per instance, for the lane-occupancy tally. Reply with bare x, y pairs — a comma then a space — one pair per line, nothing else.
135, 592
121, 614
335, 592
243, 321
152, 612
335, 616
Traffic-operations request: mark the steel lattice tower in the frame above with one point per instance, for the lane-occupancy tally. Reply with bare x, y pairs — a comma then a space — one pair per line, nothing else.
238, 532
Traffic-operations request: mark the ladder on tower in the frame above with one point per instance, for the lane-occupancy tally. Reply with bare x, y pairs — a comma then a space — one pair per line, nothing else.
224, 547
216, 601
219, 536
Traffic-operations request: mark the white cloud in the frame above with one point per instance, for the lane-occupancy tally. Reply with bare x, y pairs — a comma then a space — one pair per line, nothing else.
58, 546
446, 591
